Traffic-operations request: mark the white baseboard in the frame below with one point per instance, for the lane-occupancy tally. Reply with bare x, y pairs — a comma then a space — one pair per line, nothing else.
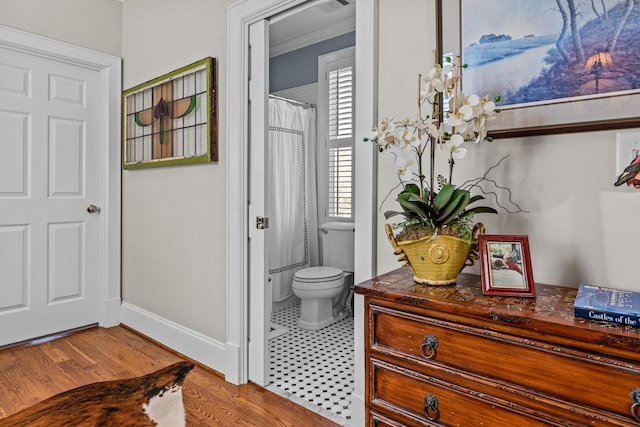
111, 315
358, 416
234, 369
192, 344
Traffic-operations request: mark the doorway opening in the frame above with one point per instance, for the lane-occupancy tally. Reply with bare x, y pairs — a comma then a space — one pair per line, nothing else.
309, 175
241, 344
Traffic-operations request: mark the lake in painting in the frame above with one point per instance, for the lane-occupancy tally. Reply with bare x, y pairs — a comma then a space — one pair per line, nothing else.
517, 49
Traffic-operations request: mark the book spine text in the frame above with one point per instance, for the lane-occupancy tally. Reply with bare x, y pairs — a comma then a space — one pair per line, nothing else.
590, 313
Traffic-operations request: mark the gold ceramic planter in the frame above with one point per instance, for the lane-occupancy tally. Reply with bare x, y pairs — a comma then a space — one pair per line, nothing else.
436, 260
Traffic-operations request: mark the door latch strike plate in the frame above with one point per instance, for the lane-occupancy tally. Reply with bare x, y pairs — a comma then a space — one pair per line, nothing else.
262, 223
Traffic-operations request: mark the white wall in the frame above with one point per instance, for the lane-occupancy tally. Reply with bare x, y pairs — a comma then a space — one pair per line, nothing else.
95, 24
580, 227
174, 218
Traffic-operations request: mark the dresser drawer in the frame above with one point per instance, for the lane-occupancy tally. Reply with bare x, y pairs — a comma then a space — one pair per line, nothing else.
401, 393
569, 374
378, 420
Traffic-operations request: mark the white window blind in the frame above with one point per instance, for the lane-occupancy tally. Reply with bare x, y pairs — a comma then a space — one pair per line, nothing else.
340, 144
336, 135
340, 181
341, 103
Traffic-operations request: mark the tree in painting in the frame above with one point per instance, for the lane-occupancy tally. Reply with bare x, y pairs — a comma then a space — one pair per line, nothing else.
571, 73
586, 48
571, 18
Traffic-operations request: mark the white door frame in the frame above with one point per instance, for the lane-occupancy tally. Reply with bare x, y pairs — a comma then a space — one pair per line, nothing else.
240, 16
109, 68
259, 284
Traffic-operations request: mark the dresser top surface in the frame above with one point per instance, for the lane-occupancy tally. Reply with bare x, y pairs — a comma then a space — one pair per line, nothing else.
553, 305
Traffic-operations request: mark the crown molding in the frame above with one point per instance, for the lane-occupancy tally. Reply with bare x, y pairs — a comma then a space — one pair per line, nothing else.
311, 37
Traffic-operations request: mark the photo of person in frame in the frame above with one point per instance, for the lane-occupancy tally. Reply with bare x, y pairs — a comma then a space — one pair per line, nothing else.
506, 272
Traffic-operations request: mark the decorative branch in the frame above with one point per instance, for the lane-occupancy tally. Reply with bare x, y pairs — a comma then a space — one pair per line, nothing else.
475, 183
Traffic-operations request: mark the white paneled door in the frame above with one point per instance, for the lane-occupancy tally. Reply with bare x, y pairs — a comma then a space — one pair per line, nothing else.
49, 192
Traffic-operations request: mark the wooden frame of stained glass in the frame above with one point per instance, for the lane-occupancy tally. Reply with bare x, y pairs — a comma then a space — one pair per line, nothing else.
172, 119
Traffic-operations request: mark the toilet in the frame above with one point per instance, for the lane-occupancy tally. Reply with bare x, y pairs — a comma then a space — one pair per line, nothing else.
324, 290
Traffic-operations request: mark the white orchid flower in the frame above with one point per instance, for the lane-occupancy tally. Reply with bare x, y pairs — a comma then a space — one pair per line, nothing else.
438, 84
383, 127
410, 140
449, 87
489, 108
427, 94
386, 124
387, 141
453, 120
409, 124
407, 138
437, 132
466, 112
375, 134
437, 78
473, 100
457, 122
481, 127
482, 134
455, 146
406, 167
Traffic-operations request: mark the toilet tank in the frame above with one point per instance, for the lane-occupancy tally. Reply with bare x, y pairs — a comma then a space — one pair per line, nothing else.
337, 242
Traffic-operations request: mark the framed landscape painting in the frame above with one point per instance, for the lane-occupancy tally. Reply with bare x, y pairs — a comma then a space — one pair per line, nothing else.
558, 65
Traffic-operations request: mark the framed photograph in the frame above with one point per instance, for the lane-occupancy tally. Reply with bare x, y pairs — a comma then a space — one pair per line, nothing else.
172, 120
505, 262
550, 80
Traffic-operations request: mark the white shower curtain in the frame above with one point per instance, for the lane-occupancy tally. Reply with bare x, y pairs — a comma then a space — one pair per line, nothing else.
292, 206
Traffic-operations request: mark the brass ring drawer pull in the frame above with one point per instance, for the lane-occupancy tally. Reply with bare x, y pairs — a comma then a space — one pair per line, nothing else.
431, 407
429, 346
635, 398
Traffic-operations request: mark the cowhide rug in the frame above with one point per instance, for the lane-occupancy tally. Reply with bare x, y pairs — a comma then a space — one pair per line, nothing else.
151, 400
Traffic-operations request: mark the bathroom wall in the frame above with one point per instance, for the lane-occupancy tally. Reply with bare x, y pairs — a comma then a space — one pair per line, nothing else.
300, 67
581, 228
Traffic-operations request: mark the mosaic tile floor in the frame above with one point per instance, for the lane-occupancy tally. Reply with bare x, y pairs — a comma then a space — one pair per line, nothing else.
314, 368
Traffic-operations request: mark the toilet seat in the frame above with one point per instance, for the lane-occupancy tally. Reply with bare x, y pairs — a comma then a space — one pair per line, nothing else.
318, 288
318, 274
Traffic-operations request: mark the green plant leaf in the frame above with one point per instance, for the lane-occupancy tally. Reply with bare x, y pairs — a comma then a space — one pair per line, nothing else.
443, 197
406, 197
458, 202
411, 188
476, 198
480, 209
416, 205
391, 214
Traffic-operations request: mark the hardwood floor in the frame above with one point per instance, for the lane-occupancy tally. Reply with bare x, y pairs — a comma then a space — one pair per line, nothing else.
29, 374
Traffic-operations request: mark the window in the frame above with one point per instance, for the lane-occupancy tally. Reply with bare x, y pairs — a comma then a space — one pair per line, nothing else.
341, 103
445, 99
340, 182
336, 120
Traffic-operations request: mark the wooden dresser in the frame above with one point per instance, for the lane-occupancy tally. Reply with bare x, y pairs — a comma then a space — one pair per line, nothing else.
447, 355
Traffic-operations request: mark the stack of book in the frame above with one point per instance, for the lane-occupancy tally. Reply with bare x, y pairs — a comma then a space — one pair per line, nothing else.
609, 305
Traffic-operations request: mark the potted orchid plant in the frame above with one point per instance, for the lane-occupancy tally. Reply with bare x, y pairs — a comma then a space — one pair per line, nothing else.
434, 207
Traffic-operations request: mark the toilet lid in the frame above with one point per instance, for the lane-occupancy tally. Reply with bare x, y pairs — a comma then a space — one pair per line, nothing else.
314, 274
